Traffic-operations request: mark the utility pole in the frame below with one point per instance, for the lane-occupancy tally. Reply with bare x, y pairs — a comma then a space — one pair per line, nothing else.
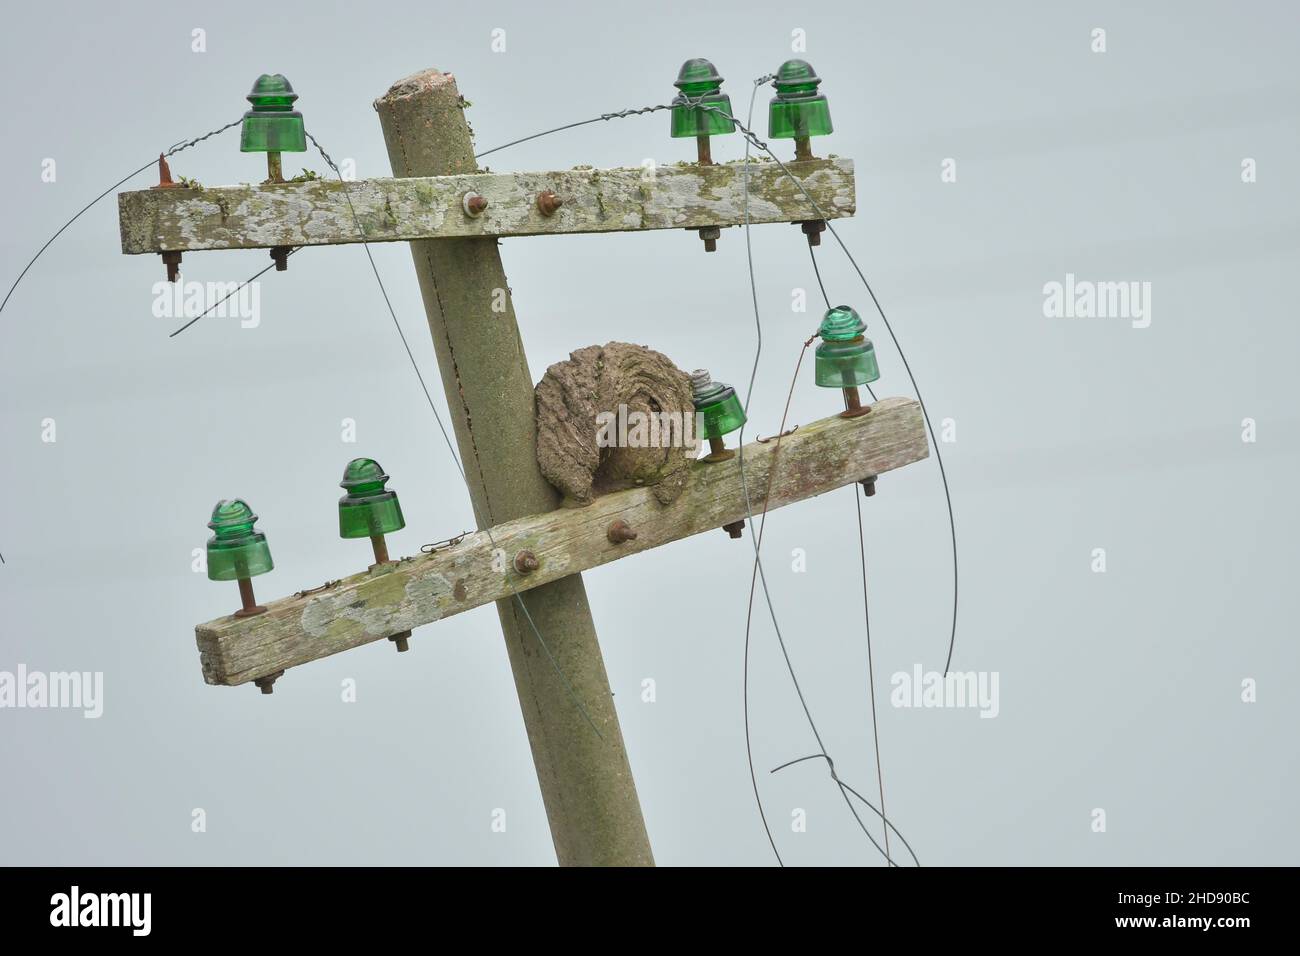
586, 781
452, 215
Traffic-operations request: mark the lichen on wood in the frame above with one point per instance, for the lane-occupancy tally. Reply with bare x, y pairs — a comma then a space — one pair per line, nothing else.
371, 605
316, 212
612, 416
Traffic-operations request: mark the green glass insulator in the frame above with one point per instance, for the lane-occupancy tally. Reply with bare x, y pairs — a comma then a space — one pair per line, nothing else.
797, 111
368, 508
272, 125
841, 323
235, 550
717, 407
845, 357
846, 364
700, 85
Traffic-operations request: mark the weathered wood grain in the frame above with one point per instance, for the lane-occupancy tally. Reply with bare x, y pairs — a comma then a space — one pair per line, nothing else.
366, 607
683, 196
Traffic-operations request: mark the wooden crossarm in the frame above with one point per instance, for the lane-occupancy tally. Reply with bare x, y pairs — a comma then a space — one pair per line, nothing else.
314, 213
373, 605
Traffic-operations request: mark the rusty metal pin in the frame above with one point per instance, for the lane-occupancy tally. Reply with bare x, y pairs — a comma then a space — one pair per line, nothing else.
734, 528
704, 150
718, 451
400, 641
869, 486
165, 180
526, 562
380, 547
853, 406
281, 256
473, 204
620, 531
548, 202
267, 684
250, 605
172, 260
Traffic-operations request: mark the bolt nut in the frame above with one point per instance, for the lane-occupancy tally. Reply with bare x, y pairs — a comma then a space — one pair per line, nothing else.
620, 531
526, 562
473, 204
735, 528
267, 684
548, 202
813, 229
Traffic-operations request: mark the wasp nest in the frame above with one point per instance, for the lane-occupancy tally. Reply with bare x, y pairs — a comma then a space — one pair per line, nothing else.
613, 416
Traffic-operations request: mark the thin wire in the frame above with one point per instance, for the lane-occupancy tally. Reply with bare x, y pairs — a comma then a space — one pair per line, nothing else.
934, 443
347, 193
515, 142
758, 543
757, 538
888, 823
751, 137
524, 139
559, 129
762, 524
866, 608
871, 670
176, 148
749, 511
77, 216
209, 309
812, 254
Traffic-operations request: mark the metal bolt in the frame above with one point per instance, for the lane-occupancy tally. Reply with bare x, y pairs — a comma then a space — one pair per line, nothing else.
734, 528
274, 173
869, 486
853, 406
400, 641
620, 531
710, 236
250, 605
172, 260
526, 562
267, 684
281, 256
548, 202
473, 204
813, 229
